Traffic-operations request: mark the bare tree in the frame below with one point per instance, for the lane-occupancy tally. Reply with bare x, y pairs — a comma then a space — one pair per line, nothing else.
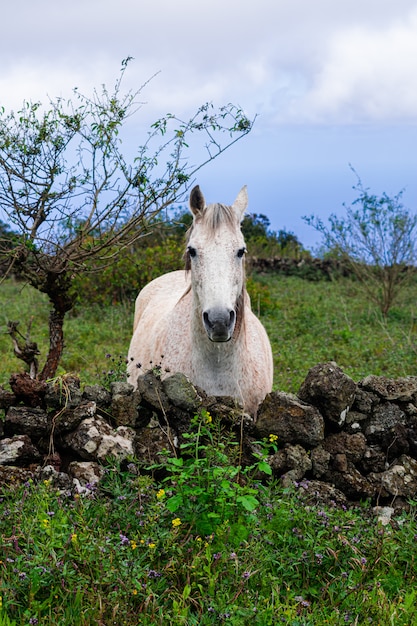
71, 195
377, 238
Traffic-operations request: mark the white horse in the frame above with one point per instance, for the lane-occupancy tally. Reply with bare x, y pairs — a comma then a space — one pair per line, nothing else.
199, 321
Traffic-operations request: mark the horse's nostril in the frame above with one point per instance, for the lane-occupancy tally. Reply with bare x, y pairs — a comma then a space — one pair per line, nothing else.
206, 319
232, 317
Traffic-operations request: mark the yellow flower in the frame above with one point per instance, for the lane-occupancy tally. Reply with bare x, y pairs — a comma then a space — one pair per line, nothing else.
198, 539
45, 523
160, 494
273, 438
152, 545
133, 544
209, 419
74, 537
176, 522
134, 592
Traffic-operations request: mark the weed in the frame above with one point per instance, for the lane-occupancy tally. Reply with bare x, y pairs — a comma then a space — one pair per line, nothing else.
128, 553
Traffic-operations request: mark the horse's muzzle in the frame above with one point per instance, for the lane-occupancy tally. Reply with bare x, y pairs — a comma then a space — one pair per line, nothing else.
219, 323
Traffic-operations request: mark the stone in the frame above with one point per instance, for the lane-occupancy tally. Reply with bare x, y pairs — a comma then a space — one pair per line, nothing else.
67, 420
12, 477
59, 480
350, 481
374, 460
31, 421
353, 446
387, 428
364, 401
329, 389
297, 463
96, 440
320, 459
63, 392
290, 419
383, 514
355, 421
18, 450
85, 475
124, 404
153, 442
152, 392
181, 392
98, 394
7, 398
398, 389
28, 390
400, 479
315, 492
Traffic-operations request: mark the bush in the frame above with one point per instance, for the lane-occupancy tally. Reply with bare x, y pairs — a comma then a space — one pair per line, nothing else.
377, 239
135, 267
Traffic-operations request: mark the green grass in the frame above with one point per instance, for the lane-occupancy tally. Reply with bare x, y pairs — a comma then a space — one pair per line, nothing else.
307, 322
202, 547
211, 544
310, 322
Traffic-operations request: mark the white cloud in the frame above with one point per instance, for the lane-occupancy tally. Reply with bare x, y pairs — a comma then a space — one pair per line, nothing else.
291, 61
368, 74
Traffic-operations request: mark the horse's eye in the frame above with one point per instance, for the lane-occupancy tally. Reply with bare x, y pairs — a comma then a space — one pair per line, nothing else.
192, 252
241, 252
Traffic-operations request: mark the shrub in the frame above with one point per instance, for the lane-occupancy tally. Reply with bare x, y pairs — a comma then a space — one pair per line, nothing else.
377, 239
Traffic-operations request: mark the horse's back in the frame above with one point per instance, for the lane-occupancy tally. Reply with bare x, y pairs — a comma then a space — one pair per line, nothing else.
160, 295
153, 310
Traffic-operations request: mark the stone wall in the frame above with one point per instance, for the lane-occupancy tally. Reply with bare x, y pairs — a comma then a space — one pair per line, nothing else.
337, 439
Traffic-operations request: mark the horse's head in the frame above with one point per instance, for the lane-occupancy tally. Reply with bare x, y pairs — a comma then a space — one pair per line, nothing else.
215, 256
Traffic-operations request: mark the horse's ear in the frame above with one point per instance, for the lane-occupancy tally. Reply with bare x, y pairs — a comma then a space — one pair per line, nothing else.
241, 202
197, 202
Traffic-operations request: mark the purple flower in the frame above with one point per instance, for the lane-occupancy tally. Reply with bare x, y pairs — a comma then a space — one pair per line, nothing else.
124, 541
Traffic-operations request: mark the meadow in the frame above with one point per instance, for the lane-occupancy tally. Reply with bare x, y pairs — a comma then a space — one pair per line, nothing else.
206, 542
307, 322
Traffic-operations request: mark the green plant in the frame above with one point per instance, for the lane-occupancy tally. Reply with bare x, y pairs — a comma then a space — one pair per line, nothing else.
377, 239
206, 491
119, 553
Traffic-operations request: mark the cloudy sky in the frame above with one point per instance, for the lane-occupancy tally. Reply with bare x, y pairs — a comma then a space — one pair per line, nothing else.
333, 83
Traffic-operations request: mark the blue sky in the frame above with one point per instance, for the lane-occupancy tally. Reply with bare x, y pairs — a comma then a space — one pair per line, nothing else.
332, 84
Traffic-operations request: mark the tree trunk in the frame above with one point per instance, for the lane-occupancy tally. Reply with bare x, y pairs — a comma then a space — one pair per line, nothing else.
56, 344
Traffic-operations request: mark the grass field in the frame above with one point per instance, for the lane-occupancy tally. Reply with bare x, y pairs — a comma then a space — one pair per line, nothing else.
307, 322
211, 544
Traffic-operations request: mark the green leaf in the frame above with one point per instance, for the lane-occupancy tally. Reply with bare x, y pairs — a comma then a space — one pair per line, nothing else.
177, 462
264, 467
248, 502
186, 592
173, 503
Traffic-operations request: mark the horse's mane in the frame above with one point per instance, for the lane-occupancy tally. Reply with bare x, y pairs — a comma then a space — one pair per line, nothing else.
215, 215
